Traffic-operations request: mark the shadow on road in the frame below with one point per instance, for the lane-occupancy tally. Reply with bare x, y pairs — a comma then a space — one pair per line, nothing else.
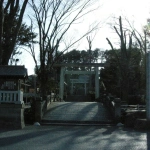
74, 137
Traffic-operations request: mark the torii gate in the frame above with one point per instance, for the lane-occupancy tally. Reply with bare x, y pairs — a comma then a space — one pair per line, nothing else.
63, 72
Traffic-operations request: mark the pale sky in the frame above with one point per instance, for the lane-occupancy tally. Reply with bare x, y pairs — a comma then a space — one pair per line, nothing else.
137, 11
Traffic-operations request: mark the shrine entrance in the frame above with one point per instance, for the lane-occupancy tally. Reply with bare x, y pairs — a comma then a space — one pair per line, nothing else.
81, 85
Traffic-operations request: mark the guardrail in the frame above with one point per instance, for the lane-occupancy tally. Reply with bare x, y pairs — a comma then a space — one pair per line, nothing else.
11, 97
133, 107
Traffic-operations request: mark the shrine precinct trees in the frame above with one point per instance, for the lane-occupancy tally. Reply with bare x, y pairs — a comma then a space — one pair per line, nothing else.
125, 61
79, 56
54, 19
9, 9
111, 78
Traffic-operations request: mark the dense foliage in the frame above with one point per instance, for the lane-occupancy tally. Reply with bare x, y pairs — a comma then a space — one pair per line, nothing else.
13, 33
24, 38
77, 56
111, 75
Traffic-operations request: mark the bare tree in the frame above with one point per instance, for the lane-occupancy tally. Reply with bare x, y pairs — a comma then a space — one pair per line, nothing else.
124, 60
142, 41
54, 19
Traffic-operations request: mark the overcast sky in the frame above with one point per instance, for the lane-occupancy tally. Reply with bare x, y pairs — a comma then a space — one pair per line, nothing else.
136, 11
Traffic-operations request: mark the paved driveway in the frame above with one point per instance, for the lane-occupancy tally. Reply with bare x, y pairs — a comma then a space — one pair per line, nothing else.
74, 138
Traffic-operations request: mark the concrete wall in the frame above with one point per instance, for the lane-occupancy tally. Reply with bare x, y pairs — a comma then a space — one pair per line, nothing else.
12, 116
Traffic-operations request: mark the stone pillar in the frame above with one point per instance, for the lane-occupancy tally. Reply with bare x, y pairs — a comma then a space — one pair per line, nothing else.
61, 87
12, 116
117, 108
148, 86
85, 88
96, 83
38, 110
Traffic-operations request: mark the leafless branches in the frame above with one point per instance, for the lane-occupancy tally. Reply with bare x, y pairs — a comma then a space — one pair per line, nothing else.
54, 19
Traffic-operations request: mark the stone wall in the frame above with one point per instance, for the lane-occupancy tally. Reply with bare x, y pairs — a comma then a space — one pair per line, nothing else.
12, 116
40, 109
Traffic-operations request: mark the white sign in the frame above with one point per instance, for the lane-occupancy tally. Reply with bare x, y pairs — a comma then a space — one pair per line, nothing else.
79, 80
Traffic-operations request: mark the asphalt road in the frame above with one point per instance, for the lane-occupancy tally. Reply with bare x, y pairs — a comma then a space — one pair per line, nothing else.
74, 138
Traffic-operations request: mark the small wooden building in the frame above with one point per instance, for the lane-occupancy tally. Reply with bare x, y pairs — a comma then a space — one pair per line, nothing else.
11, 80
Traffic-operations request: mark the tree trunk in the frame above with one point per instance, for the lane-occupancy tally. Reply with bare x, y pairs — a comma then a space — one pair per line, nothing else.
125, 88
1, 28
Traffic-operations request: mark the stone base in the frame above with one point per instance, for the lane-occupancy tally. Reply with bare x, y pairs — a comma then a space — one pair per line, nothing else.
142, 124
12, 116
40, 108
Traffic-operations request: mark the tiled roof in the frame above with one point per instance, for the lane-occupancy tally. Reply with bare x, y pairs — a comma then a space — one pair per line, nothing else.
18, 71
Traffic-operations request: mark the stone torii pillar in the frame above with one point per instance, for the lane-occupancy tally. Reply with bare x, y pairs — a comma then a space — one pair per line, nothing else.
63, 72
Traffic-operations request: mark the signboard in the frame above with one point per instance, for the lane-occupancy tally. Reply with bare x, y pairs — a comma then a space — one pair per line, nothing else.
84, 77
79, 80
8, 85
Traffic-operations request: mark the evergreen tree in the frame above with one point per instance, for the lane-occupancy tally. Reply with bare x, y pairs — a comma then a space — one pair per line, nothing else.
12, 31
